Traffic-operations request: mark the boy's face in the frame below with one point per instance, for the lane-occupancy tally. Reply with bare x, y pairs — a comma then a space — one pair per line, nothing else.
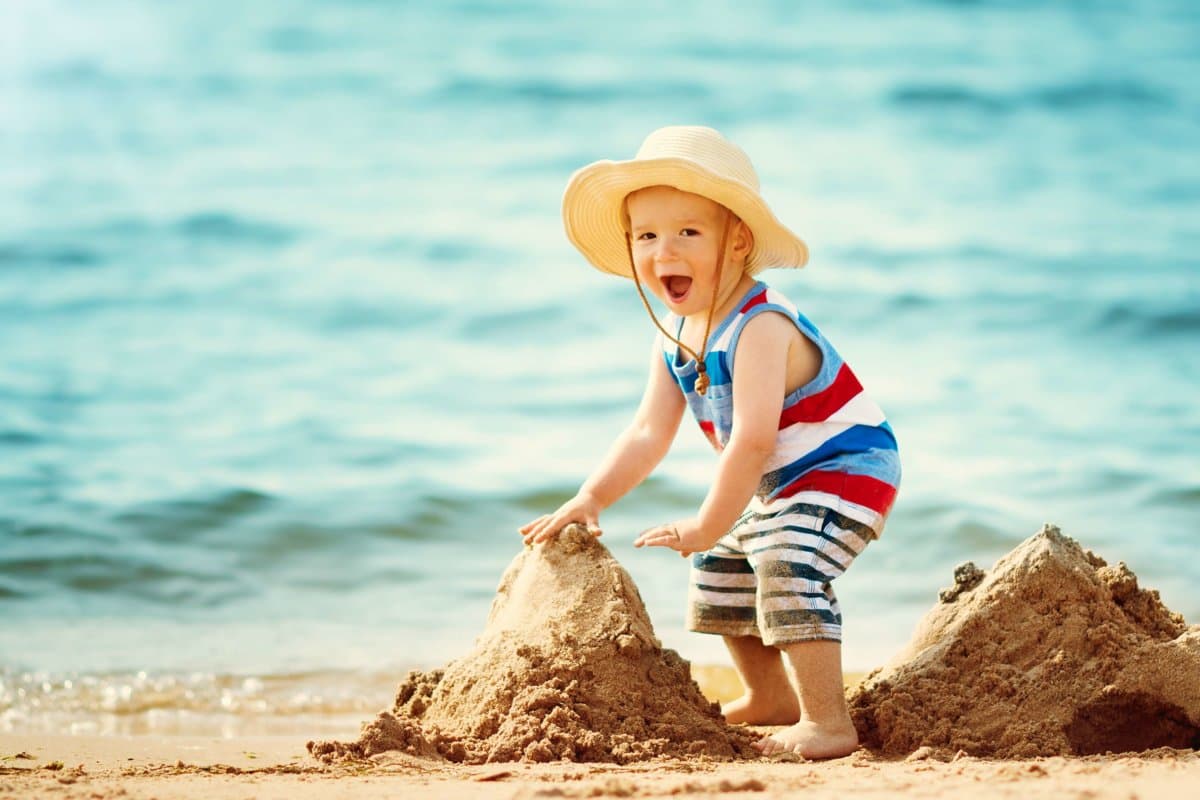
676, 236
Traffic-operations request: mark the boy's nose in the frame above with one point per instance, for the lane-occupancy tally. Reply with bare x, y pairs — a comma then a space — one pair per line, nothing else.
665, 250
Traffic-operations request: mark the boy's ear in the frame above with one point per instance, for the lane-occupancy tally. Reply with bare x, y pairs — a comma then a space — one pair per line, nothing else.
743, 240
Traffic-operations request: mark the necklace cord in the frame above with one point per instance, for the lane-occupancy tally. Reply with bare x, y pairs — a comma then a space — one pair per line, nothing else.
702, 379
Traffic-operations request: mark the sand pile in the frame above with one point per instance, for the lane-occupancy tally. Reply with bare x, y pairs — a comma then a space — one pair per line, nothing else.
1051, 653
568, 667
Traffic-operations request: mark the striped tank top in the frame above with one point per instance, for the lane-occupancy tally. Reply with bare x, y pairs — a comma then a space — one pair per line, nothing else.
832, 438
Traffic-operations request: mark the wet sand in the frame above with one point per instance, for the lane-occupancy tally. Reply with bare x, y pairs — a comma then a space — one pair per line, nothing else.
99, 768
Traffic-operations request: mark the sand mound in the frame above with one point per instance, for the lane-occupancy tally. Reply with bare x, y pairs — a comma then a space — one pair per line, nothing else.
1051, 653
568, 667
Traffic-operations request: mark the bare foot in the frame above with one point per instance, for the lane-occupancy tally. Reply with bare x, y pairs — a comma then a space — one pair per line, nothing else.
782, 709
811, 740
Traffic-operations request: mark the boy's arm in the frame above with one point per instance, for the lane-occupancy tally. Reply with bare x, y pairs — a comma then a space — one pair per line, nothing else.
759, 386
630, 459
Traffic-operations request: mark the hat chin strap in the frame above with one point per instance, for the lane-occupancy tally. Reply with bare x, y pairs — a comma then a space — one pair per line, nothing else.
702, 378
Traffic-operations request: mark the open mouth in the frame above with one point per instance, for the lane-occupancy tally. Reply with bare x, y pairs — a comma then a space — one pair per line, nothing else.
677, 287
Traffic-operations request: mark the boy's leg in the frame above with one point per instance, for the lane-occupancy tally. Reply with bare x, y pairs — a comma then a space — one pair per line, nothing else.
825, 729
796, 553
769, 698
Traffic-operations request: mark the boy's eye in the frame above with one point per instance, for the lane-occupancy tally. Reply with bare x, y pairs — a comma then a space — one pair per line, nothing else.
690, 232
645, 237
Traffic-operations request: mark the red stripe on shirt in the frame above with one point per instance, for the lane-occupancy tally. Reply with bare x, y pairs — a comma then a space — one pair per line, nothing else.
860, 489
823, 404
710, 431
757, 300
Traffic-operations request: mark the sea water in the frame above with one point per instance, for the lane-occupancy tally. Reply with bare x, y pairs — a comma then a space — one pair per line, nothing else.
291, 339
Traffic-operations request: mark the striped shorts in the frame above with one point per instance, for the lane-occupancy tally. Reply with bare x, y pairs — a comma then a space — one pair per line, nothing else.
771, 576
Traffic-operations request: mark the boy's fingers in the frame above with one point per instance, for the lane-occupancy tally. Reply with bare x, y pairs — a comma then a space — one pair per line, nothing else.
549, 528
656, 537
536, 531
529, 526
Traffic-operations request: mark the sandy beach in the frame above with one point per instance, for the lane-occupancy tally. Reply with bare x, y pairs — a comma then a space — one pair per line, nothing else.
278, 767
594, 707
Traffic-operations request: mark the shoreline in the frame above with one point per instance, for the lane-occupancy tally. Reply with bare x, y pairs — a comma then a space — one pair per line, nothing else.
162, 718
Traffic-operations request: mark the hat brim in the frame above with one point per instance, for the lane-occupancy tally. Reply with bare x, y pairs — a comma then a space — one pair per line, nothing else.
594, 211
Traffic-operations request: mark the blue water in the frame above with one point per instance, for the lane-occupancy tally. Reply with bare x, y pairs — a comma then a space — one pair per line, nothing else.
291, 340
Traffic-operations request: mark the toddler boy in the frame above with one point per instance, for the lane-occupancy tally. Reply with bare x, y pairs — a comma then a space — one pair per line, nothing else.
808, 467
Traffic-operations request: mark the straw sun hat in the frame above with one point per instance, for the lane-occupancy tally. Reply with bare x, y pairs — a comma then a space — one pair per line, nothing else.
689, 158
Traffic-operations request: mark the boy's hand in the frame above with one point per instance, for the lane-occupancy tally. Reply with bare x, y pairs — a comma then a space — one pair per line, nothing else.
685, 535
580, 508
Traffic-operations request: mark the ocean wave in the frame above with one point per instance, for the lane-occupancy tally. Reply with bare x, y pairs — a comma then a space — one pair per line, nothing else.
214, 568
266, 530
1139, 319
27, 254
656, 492
740, 53
179, 519
224, 226
1182, 496
355, 315
911, 301
120, 239
229, 538
550, 164
1065, 97
194, 702
442, 250
942, 96
20, 438
295, 39
923, 256
1098, 93
428, 514
76, 72
455, 251
962, 526
491, 92
546, 320
546, 92
86, 571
